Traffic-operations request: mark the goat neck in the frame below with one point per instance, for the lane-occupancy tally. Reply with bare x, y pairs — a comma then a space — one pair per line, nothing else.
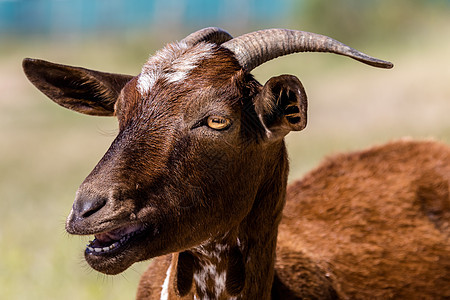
240, 263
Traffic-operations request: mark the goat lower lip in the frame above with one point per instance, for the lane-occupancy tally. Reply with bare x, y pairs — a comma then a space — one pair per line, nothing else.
99, 247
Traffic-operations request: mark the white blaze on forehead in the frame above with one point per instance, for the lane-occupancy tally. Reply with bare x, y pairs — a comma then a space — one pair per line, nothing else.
172, 63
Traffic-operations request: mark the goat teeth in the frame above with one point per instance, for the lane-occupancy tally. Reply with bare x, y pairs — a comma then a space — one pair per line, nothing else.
116, 244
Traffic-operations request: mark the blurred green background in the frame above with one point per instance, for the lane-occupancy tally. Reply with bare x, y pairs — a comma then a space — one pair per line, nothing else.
46, 151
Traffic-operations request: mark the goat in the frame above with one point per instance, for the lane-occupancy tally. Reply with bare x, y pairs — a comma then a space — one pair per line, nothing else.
197, 179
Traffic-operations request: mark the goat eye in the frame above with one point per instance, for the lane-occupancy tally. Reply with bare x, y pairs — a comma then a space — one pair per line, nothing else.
218, 123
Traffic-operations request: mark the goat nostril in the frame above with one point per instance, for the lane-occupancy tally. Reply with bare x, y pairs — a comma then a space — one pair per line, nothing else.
90, 207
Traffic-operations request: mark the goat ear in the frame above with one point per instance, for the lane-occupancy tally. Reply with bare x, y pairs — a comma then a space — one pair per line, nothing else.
86, 91
281, 106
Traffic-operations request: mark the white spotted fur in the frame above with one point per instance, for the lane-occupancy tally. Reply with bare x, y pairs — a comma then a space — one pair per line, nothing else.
209, 270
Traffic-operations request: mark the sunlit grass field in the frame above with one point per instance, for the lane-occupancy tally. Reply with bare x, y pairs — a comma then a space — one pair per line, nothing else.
46, 151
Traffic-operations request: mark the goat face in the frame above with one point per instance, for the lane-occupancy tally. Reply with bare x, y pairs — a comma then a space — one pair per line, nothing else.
196, 133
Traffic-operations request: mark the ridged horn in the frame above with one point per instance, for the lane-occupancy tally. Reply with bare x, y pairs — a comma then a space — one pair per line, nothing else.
210, 34
256, 48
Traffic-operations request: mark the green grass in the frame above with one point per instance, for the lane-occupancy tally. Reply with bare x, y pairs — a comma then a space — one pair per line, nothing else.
46, 151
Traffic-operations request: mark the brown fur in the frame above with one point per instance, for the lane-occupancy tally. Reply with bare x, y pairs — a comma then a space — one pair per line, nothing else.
364, 220
360, 226
207, 202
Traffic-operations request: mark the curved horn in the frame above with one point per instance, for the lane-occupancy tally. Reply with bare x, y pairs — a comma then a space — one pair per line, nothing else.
210, 34
256, 48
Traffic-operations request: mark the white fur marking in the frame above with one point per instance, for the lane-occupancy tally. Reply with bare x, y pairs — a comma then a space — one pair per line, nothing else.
268, 132
220, 283
172, 63
216, 253
145, 82
177, 76
165, 286
208, 271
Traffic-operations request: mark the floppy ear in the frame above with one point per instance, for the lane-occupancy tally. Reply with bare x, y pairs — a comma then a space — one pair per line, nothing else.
86, 91
281, 106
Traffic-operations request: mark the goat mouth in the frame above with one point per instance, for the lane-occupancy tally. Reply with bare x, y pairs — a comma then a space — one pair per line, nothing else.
112, 241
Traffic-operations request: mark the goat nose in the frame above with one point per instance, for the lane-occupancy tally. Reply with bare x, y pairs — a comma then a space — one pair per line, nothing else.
86, 207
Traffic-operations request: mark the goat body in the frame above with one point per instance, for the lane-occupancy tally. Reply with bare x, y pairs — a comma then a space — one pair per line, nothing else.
197, 177
373, 224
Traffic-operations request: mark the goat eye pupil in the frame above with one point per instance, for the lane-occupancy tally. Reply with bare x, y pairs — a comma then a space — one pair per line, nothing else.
218, 123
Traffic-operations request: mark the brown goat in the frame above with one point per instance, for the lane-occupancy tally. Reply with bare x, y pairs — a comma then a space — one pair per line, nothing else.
197, 178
